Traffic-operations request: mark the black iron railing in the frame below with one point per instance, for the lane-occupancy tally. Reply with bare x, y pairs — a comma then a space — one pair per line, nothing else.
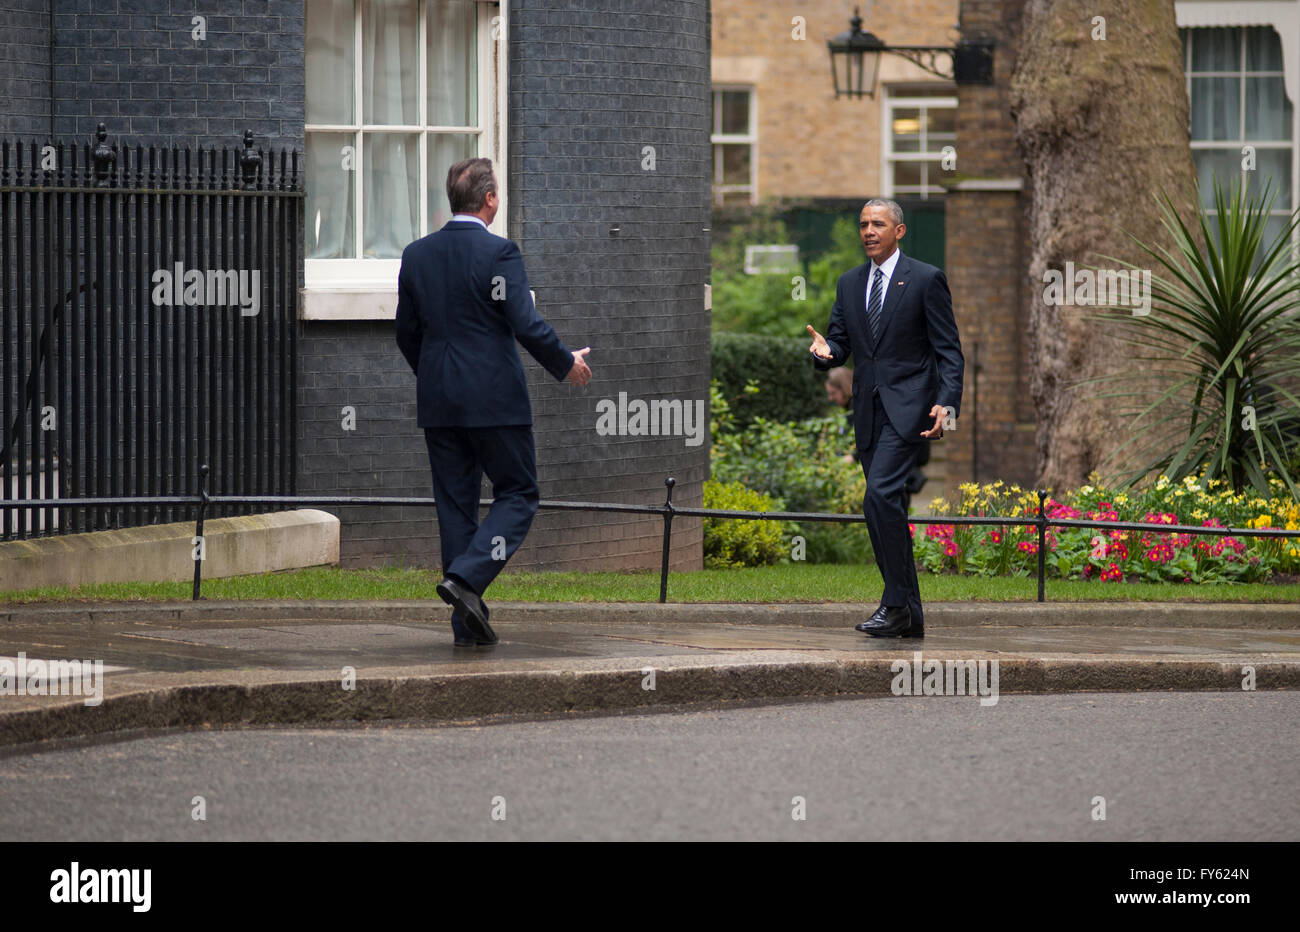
668, 511
149, 325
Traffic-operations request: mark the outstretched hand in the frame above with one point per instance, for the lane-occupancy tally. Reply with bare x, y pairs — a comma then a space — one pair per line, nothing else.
938, 412
579, 372
819, 347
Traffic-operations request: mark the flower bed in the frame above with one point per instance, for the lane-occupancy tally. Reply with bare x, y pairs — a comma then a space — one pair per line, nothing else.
1116, 555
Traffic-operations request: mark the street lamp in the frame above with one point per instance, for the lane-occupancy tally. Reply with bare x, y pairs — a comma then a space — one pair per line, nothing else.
855, 52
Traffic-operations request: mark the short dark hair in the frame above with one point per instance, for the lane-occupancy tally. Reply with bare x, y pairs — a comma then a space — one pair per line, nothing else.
468, 184
895, 212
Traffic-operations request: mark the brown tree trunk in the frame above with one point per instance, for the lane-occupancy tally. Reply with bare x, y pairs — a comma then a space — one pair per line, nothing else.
1102, 125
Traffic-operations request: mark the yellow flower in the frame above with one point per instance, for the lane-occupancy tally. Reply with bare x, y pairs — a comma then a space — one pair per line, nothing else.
1200, 515
1121, 498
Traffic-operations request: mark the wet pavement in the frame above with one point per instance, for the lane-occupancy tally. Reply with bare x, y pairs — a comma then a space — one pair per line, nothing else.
166, 665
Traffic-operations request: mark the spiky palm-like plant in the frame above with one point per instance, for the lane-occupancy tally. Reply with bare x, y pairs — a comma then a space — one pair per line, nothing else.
1218, 355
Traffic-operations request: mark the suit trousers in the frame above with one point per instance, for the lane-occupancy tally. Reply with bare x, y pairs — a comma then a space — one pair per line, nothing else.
476, 552
886, 463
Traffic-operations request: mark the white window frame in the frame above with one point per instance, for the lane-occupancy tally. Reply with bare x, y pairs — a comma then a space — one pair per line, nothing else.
1234, 146
892, 101
749, 138
1283, 16
366, 289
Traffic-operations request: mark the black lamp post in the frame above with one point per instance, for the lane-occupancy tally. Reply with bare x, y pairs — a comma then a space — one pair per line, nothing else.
855, 52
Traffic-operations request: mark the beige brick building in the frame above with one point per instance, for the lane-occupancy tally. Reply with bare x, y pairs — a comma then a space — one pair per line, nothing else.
771, 61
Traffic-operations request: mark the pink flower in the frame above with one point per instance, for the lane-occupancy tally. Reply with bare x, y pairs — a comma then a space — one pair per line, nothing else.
951, 549
939, 531
1160, 553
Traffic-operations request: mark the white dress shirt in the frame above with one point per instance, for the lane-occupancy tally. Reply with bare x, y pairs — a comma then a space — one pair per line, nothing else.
888, 268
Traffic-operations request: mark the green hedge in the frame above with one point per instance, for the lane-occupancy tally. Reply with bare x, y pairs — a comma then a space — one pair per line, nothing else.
732, 542
790, 389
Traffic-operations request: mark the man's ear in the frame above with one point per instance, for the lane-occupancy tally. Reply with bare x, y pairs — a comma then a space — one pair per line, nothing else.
902, 229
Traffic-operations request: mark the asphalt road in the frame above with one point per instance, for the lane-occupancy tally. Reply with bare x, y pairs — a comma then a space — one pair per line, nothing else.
1170, 766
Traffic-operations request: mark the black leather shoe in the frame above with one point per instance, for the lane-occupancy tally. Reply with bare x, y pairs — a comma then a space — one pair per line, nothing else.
460, 634
473, 613
892, 623
878, 618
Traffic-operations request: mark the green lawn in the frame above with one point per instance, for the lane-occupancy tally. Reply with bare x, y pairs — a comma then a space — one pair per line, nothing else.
790, 583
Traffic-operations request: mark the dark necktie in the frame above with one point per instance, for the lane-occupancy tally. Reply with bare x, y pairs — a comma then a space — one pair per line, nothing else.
874, 305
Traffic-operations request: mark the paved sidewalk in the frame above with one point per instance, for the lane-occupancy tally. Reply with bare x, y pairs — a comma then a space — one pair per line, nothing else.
232, 663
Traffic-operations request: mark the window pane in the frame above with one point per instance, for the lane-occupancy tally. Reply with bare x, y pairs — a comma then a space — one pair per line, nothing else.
331, 230
735, 112
1211, 164
1268, 112
453, 63
1216, 49
1273, 228
445, 150
1263, 49
391, 193
1273, 167
735, 165
941, 128
907, 129
907, 174
330, 69
731, 198
389, 80
1216, 108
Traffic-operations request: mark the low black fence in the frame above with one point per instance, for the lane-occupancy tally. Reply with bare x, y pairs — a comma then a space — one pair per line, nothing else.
203, 501
149, 325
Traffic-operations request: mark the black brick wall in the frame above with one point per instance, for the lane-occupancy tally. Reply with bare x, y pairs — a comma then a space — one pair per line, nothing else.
25, 68
134, 66
588, 90
591, 85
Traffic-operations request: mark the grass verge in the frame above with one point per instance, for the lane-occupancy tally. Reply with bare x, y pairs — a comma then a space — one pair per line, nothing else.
788, 583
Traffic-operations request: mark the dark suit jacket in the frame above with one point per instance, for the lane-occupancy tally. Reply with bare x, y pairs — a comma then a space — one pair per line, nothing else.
918, 363
459, 340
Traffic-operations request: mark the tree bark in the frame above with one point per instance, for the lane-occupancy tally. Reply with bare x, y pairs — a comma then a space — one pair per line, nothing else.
1102, 125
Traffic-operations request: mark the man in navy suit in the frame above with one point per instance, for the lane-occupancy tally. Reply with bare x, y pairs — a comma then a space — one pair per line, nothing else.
893, 315
462, 301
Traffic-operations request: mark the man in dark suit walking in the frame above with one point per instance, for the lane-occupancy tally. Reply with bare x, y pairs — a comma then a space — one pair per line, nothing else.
893, 315
462, 301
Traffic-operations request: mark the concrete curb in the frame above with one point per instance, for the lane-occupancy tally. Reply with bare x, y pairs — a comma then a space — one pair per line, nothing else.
539, 688
939, 614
